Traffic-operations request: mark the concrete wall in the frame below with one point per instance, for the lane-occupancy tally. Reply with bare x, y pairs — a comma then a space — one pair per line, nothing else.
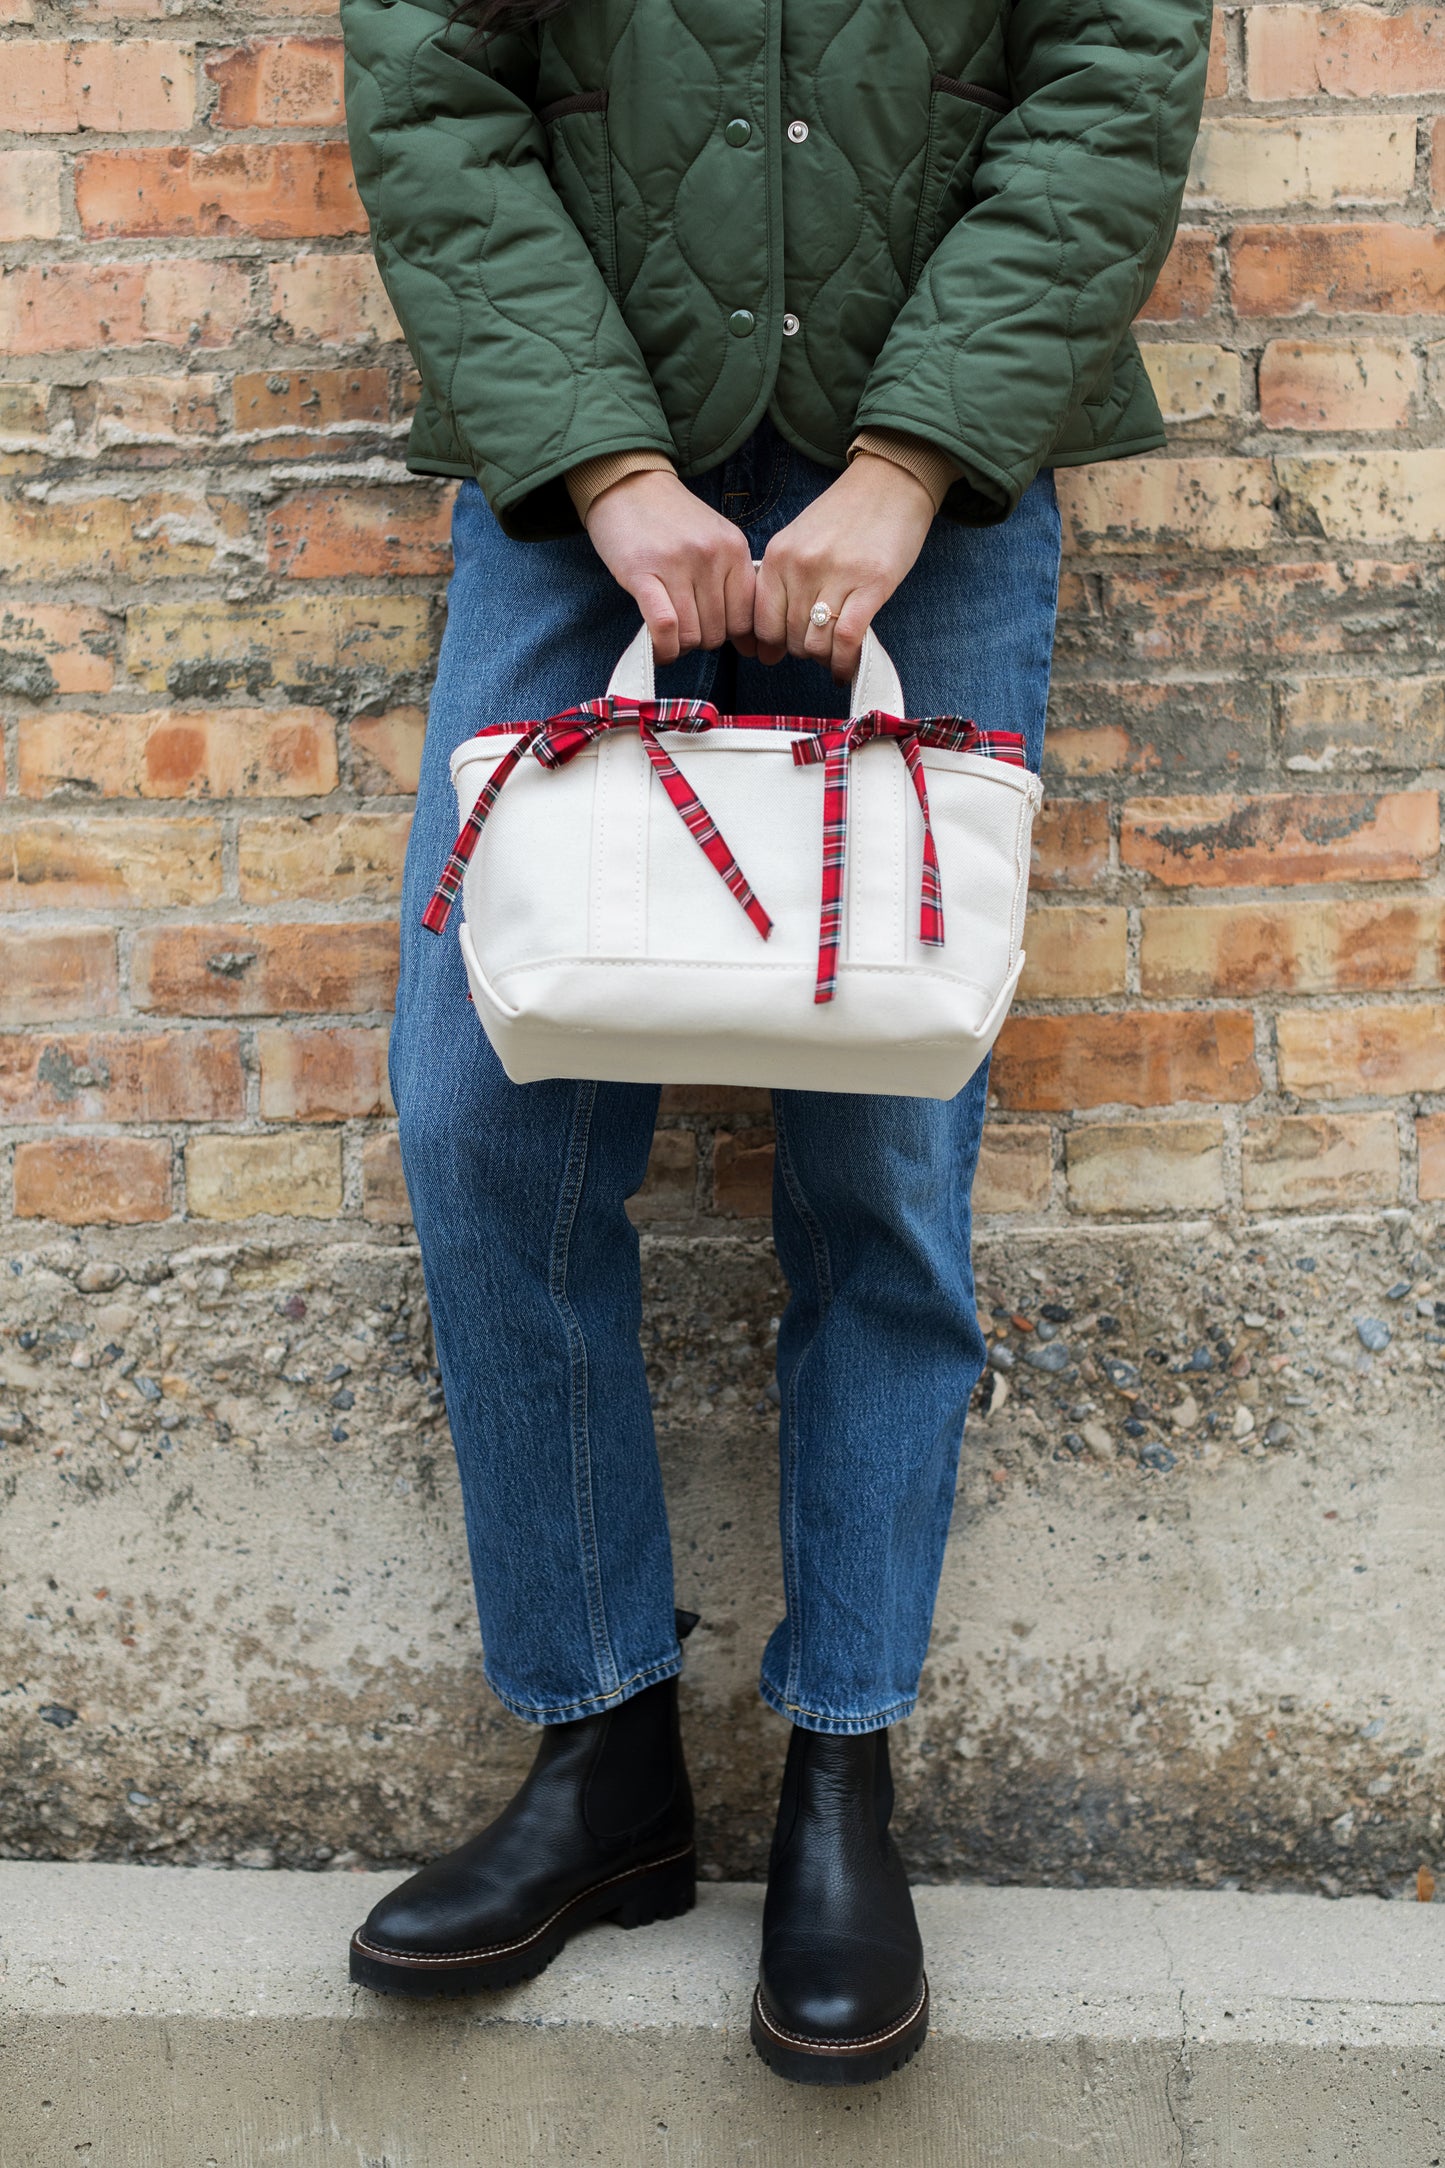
237, 1620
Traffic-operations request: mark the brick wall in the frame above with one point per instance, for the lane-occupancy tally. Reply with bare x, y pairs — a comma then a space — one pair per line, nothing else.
215, 646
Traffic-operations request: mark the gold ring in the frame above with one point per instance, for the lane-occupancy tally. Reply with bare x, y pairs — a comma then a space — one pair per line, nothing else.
820, 614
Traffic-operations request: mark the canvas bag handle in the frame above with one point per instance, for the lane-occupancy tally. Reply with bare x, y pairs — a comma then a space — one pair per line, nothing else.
875, 682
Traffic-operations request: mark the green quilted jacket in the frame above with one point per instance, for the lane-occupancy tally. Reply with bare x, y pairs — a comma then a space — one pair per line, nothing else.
647, 223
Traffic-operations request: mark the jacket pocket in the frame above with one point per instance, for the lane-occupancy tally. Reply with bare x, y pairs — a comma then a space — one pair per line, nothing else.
959, 117
582, 172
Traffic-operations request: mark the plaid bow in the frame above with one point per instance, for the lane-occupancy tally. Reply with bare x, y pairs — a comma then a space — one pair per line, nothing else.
833, 746
559, 739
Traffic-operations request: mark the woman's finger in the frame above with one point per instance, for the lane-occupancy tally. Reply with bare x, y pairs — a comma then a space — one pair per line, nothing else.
852, 622
770, 613
710, 595
804, 637
656, 605
818, 640
739, 596
689, 626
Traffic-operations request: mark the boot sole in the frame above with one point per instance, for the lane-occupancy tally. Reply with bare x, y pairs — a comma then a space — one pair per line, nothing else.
808, 2060
660, 1889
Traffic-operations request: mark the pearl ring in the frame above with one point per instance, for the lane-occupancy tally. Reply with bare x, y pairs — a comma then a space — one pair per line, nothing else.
820, 614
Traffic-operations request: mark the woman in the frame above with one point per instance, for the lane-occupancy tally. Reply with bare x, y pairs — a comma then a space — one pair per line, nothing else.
835, 285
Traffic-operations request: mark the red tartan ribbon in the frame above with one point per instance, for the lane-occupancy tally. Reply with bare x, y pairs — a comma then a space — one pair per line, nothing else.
833, 745
559, 739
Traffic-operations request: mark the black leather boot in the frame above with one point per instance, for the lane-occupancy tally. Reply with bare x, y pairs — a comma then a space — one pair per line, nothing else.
601, 1829
842, 1997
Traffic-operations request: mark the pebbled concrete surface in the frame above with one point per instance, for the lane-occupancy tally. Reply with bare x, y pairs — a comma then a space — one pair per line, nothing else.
235, 1620
172, 2017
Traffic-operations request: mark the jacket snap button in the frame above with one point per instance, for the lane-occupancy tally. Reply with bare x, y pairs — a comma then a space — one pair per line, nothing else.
790, 325
797, 131
740, 323
737, 133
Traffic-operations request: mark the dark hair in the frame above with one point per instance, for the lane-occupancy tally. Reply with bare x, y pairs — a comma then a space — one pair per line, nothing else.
486, 16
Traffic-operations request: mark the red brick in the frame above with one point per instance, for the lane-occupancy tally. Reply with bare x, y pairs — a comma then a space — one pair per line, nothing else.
323, 1076
1437, 163
1188, 285
1053, 1064
179, 753
271, 191
386, 751
66, 307
331, 301
264, 970
53, 977
742, 1173
1312, 1162
333, 857
121, 1076
1344, 52
328, 534
1430, 1137
1362, 384
54, 87
82, 863
1100, 726
1372, 269
1364, 944
1377, 1051
149, 409
383, 1185
48, 648
79, 1181
1222, 842
293, 411
278, 83
1070, 844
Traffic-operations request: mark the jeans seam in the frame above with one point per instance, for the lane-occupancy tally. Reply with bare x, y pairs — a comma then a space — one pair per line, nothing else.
822, 1265
782, 474
666, 1667
894, 1712
577, 1384
776, 488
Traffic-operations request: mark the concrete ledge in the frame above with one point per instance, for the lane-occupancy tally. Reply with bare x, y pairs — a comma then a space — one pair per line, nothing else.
195, 2018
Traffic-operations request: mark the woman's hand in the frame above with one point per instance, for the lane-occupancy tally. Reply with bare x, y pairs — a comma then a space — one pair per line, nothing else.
849, 549
687, 568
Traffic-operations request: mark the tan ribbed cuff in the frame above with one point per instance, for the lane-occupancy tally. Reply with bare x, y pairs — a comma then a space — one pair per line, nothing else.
587, 480
924, 461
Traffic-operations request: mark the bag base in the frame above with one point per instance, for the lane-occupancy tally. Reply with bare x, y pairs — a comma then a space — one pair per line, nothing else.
532, 1049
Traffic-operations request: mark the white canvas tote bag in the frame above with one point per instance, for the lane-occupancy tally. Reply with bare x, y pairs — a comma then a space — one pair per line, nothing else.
655, 893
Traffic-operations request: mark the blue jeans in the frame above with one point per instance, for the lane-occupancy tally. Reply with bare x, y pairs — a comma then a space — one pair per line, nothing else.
518, 1191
